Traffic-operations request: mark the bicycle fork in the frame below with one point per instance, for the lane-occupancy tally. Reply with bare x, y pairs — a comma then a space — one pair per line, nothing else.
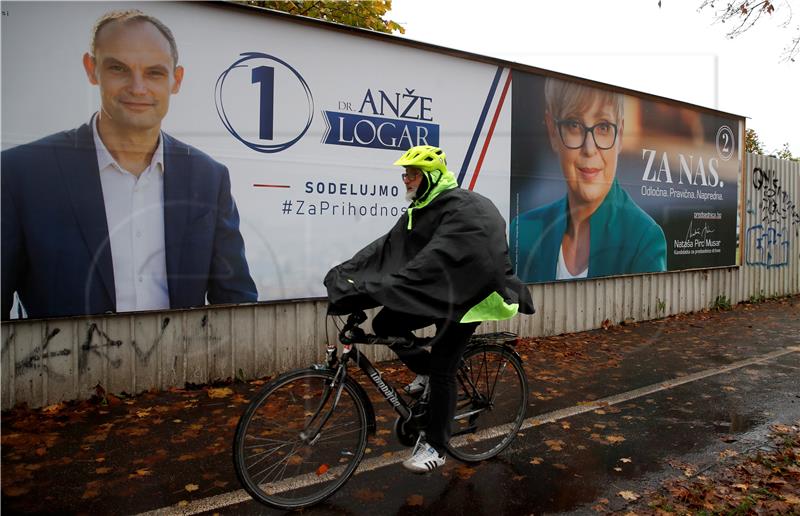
337, 384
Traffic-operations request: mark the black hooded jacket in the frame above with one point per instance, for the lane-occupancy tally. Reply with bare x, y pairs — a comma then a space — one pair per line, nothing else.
451, 256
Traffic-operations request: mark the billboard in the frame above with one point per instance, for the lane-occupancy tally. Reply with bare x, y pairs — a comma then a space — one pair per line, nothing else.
213, 155
274, 160
607, 184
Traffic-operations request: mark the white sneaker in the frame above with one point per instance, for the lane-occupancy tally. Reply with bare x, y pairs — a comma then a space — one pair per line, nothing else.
424, 458
418, 385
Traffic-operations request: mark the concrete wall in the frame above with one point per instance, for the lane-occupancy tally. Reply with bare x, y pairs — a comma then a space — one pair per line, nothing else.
44, 362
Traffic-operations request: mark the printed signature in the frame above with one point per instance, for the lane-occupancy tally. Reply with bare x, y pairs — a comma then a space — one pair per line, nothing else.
700, 232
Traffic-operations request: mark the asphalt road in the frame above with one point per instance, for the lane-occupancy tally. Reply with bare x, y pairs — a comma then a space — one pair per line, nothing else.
611, 411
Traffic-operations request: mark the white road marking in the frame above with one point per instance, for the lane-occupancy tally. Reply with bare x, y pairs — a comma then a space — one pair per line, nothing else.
234, 497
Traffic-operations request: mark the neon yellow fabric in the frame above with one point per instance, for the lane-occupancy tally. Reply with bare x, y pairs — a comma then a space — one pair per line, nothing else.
492, 308
447, 181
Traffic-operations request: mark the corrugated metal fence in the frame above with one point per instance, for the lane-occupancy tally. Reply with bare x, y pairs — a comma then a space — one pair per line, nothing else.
44, 362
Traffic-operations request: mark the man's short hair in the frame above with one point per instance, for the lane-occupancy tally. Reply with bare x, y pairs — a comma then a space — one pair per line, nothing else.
563, 96
133, 15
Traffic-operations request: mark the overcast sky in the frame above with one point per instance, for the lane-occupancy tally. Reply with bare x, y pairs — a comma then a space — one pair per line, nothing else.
673, 51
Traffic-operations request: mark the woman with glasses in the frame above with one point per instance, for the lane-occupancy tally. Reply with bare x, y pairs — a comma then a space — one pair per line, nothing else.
596, 229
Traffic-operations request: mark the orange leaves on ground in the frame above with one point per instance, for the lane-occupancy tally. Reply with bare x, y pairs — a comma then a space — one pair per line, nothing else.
191, 487
555, 445
16, 490
136, 431
464, 472
322, 469
141, 473
615, 439
601, 505
781, 429
31, 441
92, 490
629, 496
294, 460
239, 398
89, 494
679, 492
415, 500
220, 392
369, 495
764, 483
536, 461
53, 409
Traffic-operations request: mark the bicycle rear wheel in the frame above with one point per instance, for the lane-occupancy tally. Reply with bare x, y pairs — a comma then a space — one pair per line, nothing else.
492, 399
294, 448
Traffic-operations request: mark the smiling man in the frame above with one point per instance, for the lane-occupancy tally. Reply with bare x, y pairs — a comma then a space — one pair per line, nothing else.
117, 215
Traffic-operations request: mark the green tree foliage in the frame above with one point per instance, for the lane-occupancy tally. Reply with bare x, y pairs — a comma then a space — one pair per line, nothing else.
752, 143
744, 14
785, 153
369, 14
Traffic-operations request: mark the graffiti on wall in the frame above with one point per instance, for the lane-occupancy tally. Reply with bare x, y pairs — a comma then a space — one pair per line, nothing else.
768, 241
95, 347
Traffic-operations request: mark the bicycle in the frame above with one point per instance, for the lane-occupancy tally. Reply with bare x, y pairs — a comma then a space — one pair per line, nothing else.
305, 433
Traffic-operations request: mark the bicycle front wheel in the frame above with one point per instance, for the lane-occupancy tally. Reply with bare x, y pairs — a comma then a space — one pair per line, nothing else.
492, 399
300, 439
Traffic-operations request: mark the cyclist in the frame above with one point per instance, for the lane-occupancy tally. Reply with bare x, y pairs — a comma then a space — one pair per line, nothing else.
445, 262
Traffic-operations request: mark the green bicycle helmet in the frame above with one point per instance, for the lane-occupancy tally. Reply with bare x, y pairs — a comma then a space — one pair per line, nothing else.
425, 158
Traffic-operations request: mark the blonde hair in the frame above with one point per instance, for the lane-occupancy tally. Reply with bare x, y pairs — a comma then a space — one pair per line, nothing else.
129, 16
561, 97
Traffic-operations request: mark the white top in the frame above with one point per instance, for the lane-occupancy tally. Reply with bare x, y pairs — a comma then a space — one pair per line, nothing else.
561, 270
135, 217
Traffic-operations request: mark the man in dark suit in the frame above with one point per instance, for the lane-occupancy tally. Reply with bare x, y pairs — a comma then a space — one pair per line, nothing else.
117, 215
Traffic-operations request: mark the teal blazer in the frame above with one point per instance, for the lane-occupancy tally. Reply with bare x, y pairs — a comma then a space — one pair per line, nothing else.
624, 239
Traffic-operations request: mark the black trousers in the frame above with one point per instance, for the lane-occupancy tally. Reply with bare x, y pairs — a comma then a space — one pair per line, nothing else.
441, 364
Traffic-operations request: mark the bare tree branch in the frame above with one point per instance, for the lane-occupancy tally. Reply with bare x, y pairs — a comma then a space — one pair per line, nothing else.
746, 13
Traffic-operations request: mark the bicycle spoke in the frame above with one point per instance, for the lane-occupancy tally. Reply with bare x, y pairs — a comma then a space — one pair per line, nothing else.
494, 401
269, 469
301, 438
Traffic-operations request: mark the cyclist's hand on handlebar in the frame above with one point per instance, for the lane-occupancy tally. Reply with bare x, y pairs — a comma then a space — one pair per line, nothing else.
334, 309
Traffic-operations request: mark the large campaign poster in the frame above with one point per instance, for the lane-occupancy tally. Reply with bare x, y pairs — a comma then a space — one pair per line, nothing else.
607, 184
273, 149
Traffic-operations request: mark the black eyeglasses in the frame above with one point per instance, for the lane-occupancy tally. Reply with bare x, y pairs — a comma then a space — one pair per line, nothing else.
573, 134
409, 176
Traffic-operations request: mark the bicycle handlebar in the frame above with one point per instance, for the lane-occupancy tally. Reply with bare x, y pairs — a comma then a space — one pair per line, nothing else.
352, 334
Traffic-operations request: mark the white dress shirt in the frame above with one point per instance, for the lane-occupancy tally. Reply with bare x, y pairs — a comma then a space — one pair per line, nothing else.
562, 273
135, 217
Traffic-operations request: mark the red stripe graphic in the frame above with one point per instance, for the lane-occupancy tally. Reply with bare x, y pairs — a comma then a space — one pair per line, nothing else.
491, 131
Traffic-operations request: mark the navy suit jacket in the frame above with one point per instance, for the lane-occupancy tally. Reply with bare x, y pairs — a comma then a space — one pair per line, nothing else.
56, 251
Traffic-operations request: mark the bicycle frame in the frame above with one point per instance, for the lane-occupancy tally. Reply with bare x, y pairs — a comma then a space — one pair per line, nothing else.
349, 336
351, 352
